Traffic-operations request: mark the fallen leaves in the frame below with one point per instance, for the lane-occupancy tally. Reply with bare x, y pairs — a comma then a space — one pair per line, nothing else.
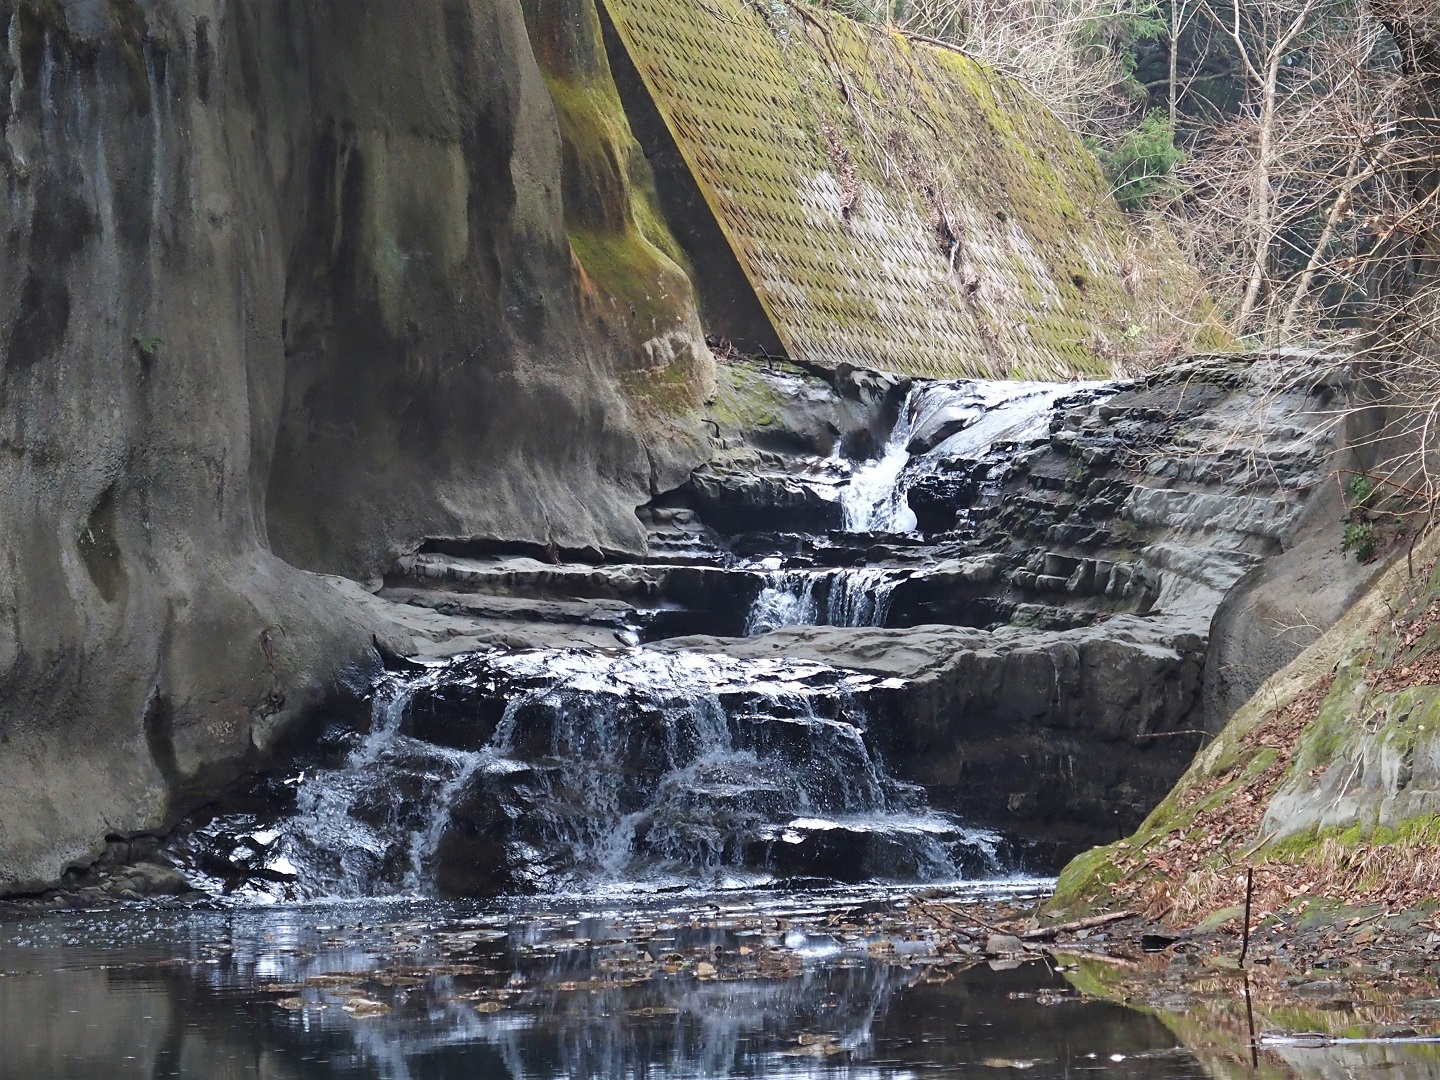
1183, 874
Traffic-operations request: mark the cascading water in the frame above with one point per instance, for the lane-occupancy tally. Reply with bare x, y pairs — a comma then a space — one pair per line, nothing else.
562, 770
938, 420
956, 419
850, 597
860, 597
788, 599
566, 770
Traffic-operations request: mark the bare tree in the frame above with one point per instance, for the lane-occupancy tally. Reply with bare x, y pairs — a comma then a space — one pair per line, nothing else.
1060, 50
1263, 47
1270, 191
1181, 15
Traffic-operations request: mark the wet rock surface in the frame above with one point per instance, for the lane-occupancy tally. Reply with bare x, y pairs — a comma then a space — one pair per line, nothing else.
583, 771
1030, 667
1035, 567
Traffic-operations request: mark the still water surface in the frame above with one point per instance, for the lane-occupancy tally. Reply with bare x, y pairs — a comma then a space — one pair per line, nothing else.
802, 986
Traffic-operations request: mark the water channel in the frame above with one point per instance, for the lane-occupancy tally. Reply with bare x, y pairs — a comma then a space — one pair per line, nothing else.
793, 986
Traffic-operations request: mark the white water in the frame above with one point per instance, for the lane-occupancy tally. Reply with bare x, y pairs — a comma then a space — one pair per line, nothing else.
788, 599
623, 769
850, 597
860, 597
999, 411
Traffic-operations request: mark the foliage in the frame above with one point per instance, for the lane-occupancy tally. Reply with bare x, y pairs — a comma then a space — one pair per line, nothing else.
1299, 153
1360, 489
1142, 165
867, 11
1360, 540
148, 344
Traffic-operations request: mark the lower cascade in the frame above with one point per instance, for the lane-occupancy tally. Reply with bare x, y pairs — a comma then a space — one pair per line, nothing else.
586, 770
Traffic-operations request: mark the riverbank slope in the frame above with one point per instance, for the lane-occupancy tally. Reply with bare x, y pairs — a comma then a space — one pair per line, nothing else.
1326, 784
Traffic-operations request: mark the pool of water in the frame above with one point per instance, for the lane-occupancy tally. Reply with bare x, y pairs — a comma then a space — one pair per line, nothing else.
807, 985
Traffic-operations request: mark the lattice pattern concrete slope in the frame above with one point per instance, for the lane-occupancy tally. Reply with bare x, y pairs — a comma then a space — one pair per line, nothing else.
899, 205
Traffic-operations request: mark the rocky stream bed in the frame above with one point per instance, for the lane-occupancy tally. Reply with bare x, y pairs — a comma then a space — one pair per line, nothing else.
894, 654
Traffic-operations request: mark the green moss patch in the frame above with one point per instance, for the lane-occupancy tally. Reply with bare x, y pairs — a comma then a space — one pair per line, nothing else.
902, 206
631, 281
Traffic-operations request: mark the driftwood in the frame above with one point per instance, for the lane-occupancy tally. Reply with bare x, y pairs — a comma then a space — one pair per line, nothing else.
1045, 933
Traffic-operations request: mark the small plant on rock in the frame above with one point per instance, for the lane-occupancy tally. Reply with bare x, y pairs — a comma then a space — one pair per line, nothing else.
1360, 490
147, 345
1360, 540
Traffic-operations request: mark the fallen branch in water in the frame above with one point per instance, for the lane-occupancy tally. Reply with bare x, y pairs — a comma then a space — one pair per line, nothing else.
1046, 932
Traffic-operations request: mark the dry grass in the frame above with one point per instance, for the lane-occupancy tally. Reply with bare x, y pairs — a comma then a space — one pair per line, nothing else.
1198, 866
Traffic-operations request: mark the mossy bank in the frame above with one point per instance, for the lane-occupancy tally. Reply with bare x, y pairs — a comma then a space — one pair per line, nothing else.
1325, 785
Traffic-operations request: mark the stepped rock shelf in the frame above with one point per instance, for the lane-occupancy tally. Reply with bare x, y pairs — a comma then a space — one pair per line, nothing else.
894, 630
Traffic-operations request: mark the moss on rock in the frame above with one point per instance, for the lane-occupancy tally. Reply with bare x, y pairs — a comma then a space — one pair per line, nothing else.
903, 206
632, 284
1326, 782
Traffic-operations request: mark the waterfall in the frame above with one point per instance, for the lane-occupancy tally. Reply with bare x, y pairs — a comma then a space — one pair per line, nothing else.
787, 599
616, 770
860, 597
329, 835
874, 500
850, 597
954, 419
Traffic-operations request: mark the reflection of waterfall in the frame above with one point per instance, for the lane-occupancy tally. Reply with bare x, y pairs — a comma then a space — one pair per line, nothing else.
575, 769
852, 597
950, 419
796, 990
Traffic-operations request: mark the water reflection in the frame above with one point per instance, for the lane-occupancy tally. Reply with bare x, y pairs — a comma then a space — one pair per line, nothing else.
436, 991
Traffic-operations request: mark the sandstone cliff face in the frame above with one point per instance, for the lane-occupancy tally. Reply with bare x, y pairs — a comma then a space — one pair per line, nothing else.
284, 289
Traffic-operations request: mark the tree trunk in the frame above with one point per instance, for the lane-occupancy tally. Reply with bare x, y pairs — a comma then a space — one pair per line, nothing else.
1354, 176
1263, 197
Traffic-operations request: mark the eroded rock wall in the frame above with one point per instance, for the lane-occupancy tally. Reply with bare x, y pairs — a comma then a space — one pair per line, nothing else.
284, 289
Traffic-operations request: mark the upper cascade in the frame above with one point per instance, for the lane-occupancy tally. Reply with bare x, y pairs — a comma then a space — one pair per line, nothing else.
963, 419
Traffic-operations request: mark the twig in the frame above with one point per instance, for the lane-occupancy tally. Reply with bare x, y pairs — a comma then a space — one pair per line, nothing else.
1164, 734
1250, 1020
1245, 933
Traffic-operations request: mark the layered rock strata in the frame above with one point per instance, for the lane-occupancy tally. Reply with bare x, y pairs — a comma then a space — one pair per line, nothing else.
1049, 624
